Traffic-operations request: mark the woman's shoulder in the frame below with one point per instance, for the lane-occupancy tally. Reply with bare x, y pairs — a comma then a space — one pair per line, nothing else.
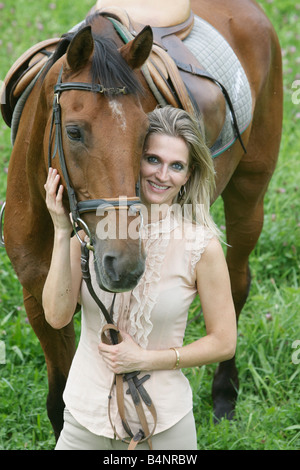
213, 247
212, 258
195, 239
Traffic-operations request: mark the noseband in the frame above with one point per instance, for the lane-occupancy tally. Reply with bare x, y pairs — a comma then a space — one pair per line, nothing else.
91, 205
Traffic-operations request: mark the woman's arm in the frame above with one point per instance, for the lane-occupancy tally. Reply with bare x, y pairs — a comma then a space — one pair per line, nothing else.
218, 311
220, 320
62, 286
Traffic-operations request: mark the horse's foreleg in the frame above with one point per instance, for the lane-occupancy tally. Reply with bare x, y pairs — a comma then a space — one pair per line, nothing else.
58, 347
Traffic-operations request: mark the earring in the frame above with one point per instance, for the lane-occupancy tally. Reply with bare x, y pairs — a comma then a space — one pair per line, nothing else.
182, 192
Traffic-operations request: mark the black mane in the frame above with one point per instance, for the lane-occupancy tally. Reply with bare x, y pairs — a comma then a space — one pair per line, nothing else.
108, 66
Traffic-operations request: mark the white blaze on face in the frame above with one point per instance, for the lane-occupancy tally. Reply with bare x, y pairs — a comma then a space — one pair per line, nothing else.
117, 112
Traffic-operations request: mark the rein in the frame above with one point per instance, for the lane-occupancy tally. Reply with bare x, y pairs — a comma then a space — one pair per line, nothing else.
136, 389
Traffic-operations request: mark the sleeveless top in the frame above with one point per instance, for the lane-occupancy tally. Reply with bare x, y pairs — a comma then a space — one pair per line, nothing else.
154, 313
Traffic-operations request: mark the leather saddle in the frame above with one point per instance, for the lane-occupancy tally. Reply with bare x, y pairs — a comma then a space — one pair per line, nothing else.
22, 72
174, 71
170, 19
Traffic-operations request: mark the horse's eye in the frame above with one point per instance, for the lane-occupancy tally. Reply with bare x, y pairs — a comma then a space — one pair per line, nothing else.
73, 133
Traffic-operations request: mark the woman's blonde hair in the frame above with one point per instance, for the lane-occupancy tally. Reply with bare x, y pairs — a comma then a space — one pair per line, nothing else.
198, 191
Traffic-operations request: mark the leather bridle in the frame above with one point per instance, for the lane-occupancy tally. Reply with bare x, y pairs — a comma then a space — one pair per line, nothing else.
91, 205
136, 388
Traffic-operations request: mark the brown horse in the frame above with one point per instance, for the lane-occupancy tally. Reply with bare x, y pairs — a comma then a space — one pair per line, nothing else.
102, 138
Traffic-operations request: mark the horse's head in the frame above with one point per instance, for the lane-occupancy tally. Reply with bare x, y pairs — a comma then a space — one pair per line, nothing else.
103, 127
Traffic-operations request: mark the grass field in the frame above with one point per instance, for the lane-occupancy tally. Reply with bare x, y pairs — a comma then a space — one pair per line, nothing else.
268, 354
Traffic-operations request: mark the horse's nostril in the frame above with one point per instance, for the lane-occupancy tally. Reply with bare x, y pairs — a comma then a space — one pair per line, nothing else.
111, 267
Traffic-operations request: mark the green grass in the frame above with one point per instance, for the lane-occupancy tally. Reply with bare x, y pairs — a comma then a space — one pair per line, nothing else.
268, 410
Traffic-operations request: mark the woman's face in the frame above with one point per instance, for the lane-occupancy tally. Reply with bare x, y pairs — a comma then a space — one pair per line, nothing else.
164, 169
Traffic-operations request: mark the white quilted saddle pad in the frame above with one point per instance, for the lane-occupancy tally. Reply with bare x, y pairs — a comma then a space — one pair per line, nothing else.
217, 57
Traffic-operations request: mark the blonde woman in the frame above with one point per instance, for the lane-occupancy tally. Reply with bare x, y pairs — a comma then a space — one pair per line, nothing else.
184, 258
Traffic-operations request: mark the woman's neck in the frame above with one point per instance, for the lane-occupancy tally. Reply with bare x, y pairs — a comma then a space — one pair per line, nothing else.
156, 212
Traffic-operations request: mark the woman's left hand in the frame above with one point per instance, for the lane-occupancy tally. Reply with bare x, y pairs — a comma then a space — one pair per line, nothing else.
126, 356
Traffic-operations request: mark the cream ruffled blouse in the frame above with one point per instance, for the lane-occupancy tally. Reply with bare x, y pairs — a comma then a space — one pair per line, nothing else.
154, 313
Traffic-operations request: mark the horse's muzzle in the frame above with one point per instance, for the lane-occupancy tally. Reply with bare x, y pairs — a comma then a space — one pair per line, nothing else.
119, 271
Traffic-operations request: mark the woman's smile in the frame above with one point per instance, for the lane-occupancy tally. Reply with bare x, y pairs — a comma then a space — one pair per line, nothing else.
164, 169
157, 187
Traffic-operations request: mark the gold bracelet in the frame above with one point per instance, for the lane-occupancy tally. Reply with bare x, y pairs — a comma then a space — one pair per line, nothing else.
177, 358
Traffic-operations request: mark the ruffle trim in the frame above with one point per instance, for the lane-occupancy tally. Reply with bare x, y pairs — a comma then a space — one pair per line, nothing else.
157, 239
146, 292
156, 236
202, 238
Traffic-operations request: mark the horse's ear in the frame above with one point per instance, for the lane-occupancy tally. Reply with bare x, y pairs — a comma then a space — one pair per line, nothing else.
136, 52
80, 48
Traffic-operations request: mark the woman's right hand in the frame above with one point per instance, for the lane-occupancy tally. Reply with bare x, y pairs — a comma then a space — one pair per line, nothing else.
54, 194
